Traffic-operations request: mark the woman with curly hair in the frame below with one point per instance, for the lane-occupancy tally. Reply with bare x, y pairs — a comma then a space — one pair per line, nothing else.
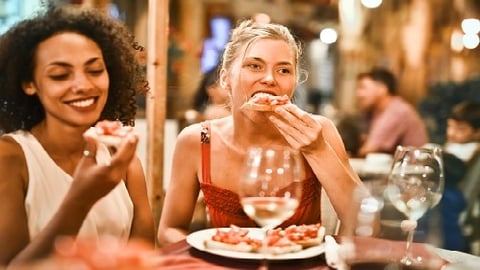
61, 72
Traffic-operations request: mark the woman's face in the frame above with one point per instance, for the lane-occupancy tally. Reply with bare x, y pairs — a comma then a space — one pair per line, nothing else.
70, 79
266, 66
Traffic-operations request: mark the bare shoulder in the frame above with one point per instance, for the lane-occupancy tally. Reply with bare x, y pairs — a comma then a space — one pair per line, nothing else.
10, 150
190, 135
12, 159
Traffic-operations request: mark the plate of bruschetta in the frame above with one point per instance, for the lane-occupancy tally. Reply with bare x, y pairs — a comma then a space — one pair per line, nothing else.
294, 242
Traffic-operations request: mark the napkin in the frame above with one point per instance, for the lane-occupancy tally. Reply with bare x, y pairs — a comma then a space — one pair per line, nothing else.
337, 255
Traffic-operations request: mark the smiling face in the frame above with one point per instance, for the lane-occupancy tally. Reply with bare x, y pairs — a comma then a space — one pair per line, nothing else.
268, 66
70, 79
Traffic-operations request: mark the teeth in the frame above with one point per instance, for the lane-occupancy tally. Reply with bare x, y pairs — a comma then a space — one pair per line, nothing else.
262, 94
83, 103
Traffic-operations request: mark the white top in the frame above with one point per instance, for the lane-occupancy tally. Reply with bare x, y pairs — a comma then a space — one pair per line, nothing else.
48, 184
464, 151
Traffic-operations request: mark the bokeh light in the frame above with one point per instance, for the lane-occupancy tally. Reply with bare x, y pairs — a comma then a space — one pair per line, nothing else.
328, 35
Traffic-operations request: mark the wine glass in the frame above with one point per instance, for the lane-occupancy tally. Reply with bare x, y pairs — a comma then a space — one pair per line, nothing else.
270, 185
415, 185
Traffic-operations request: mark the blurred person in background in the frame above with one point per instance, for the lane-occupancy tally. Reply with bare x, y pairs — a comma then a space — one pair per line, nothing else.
211, 100
463, 130
390, 120
463, 138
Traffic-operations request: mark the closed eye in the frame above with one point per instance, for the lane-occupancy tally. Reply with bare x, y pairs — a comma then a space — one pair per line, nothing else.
96, 72
59, 77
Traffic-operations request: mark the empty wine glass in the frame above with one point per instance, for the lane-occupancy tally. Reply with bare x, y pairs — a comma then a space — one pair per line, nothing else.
415, 185
270, 186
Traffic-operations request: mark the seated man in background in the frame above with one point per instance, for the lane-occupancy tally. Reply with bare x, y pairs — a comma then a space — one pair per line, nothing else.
390, 120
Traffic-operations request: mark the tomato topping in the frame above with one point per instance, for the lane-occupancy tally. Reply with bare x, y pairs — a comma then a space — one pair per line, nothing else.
107, 127
267, 99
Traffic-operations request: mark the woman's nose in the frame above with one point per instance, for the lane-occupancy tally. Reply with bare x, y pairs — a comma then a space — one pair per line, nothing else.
81, 82
268, 77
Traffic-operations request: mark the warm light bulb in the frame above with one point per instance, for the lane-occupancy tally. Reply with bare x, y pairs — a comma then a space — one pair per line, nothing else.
371, 3
471, 41
471, 26
328, 35
456, 41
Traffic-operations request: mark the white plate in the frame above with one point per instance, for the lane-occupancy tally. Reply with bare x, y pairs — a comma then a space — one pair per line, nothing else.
197, 239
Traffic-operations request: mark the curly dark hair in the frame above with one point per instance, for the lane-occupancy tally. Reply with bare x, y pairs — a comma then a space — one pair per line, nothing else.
17, 50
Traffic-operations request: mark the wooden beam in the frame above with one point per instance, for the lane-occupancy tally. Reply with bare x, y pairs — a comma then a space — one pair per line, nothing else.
157, 44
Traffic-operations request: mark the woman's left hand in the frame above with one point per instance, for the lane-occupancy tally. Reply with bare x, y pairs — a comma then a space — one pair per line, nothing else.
298, 127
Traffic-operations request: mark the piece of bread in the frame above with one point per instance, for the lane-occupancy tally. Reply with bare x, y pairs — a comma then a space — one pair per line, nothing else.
277, 244
265, 102
110, 133
259, 107
277, 250
233, 239
310, 242
240, 247
110, 140
304, 235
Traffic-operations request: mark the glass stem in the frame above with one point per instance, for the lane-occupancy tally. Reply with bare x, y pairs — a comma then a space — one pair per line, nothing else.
409, 243
264, 261
408, 259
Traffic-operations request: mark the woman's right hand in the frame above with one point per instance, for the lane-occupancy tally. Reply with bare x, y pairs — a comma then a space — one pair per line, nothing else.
92, 180
299, 128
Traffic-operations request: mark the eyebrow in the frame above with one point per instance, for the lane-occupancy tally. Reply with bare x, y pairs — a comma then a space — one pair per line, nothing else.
64, 64
280, 63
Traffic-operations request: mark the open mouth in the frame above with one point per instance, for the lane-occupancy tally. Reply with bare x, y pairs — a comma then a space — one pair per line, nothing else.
262, 93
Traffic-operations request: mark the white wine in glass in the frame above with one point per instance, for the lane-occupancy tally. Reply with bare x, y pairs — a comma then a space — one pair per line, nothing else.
415, 185
270, 185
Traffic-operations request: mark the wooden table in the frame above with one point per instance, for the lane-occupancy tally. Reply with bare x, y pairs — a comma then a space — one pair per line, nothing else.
315, 263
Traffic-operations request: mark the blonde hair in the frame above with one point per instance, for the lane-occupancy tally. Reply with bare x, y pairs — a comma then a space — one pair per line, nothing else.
249, 31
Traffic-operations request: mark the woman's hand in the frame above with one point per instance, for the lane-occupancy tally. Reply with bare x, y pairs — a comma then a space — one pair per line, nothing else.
93, 180
298, 127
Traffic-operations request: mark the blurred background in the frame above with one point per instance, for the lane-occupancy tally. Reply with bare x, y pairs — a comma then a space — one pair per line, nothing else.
432, 46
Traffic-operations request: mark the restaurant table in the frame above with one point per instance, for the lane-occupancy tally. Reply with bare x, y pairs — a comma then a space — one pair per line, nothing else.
315, 263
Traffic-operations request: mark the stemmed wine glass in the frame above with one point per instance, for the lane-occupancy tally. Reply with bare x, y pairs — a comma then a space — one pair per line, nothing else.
270, 186
415, 185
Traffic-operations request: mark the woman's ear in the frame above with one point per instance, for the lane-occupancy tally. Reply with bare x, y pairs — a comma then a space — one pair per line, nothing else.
223, 80
29, 88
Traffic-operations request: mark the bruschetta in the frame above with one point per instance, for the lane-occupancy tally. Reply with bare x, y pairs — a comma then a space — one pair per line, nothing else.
266, 102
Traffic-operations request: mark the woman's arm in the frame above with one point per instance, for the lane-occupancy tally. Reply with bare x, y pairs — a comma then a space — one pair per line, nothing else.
13, 218
333, 170
319, 141
183, 187
91, 182
142, 226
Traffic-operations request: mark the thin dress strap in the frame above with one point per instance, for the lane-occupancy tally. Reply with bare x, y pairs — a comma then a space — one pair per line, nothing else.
205, 141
